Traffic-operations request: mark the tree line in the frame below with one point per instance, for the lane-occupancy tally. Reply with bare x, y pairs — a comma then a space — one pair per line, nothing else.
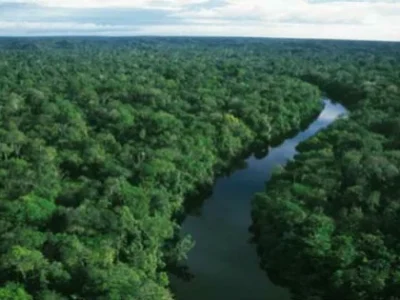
102, 139
327, 224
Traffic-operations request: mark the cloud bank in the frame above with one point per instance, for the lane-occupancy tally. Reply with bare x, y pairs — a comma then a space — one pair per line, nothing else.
339, 19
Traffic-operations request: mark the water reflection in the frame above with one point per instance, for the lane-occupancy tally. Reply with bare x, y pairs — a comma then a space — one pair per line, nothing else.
224, 263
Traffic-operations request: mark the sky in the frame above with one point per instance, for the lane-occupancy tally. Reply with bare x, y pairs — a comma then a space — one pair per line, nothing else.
332, 19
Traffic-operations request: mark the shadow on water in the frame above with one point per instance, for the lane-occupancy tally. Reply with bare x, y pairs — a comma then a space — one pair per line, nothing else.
224, 264
195, 200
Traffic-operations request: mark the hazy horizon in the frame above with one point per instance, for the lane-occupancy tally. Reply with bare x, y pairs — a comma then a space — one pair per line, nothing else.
370, 20
192, 36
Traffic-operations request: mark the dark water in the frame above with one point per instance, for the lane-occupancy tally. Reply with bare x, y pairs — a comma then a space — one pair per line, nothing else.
224, 263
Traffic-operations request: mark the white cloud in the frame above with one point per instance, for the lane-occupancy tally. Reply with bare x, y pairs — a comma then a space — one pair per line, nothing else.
301, 11
207, 28
64, 26
352, 19
150, 4
353, 32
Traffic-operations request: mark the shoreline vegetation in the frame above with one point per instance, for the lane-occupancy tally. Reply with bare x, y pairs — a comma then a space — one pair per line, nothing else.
219, 224
101, 139
194, 200
325, 227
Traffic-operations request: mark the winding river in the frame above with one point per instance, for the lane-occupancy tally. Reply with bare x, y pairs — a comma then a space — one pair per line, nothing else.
224, 263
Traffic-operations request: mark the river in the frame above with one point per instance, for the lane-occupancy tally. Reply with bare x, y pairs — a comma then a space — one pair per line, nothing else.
224, 263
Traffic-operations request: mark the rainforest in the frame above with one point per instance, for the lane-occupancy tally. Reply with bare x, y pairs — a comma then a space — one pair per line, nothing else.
106, 145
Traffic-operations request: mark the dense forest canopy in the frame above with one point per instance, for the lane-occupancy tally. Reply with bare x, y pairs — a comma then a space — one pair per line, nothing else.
101, 139
327, 225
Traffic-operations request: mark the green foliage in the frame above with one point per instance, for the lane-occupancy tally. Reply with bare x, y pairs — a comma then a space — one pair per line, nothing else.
102, 139
100, 144
13, 291
326, 226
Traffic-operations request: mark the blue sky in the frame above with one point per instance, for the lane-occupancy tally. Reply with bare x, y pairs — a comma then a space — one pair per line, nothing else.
343, 19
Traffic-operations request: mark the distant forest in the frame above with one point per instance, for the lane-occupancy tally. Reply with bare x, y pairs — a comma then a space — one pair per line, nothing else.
103, 139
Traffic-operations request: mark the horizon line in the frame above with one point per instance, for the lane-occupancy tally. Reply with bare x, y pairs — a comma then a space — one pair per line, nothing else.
192, 36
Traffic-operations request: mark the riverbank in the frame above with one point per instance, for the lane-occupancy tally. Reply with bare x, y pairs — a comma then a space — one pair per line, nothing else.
224, 264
